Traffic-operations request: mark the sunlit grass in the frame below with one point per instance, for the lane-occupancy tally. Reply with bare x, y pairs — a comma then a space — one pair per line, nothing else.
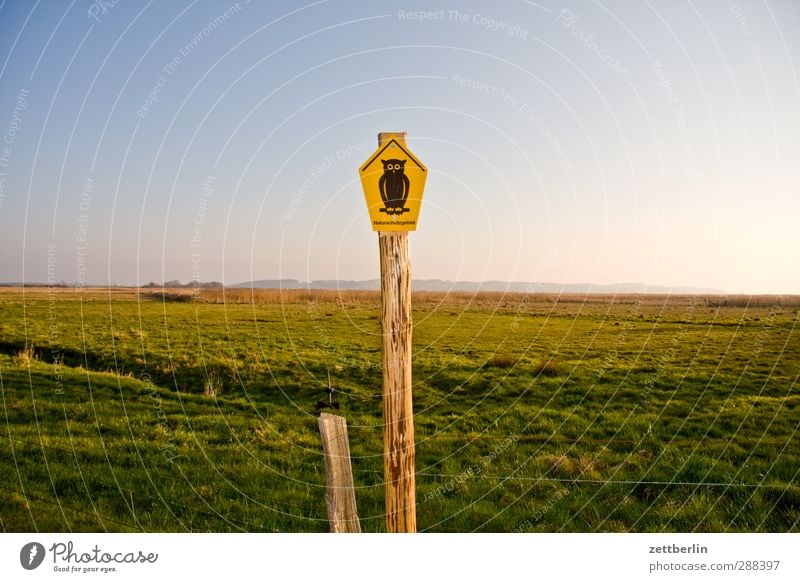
125, 411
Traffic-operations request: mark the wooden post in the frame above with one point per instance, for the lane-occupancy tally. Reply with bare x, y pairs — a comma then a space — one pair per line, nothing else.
340, 496
398, 412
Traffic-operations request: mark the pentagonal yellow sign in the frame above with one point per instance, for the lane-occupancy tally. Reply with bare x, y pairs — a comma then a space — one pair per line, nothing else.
393, 180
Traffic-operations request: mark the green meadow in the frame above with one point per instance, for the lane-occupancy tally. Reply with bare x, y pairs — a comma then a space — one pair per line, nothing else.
133, 410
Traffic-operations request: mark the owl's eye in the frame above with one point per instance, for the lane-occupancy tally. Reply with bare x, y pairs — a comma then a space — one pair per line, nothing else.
396, 167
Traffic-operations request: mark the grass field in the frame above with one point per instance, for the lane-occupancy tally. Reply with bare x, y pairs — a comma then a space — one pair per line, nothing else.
125, 410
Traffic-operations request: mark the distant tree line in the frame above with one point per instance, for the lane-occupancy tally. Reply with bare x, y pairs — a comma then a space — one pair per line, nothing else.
175, 284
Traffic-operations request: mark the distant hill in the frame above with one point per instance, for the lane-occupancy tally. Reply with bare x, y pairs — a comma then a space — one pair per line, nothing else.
430, 285
443, 285
370, 285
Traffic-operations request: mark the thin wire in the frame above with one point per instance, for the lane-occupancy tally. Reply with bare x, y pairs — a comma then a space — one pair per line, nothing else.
73, 509
453, 476
222, 488
603, 481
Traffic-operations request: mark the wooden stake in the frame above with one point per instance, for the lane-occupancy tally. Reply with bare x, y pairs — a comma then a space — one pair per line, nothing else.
340, 496
398, 412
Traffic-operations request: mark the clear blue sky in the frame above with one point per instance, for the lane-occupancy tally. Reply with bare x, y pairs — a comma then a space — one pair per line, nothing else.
602, 142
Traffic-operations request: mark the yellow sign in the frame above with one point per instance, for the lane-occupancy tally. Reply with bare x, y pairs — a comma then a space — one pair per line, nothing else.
393, 180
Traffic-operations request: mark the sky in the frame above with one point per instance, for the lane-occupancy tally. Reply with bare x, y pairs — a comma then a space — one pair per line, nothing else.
571, 142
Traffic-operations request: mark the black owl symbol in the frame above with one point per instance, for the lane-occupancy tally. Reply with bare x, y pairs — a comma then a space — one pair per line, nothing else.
394, 186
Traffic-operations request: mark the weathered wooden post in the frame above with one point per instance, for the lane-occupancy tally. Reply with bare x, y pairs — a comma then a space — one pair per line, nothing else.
393, 181
340, 496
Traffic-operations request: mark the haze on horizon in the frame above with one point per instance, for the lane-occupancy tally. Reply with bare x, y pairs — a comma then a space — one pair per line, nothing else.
574, 142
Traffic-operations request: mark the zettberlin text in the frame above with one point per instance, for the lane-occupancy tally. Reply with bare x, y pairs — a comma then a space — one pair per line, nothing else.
673, 549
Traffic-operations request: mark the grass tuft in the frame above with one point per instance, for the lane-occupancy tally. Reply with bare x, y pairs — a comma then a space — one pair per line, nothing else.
548, 368
212, 387
501, 362
24, 357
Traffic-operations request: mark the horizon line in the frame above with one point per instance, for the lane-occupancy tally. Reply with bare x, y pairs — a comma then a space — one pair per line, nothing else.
604, 288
